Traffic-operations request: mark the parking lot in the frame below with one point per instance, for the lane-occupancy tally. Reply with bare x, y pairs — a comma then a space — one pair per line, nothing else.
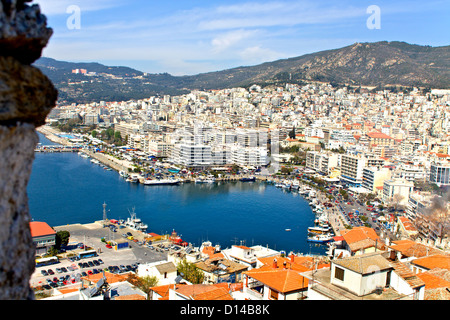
88, 236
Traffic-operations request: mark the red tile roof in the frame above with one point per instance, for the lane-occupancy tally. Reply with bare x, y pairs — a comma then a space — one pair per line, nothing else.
39, 229
281, 280
378, 135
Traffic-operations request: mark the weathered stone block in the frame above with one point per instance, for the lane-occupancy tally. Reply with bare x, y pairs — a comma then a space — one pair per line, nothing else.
26, 94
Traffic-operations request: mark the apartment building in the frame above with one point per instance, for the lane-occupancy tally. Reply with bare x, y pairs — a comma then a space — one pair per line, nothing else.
249, 156
159, 148
352, 169
440, 174
127, 129
322, 162
374, 177
410, 172
191, 155
397, 191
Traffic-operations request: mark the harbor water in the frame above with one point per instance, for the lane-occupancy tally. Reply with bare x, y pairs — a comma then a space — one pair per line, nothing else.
65, 188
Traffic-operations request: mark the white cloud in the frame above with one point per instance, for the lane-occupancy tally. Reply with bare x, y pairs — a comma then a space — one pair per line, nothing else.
229, 39
256, 54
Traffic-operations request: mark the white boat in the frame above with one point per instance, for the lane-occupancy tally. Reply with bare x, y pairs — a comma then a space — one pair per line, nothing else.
295, 185
133, 179
95, 161
154, 182
205, 180
123, 174
278, 185
320, 238
319, 230
135, 223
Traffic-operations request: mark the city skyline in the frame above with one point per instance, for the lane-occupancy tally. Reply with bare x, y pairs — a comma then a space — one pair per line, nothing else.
197, 36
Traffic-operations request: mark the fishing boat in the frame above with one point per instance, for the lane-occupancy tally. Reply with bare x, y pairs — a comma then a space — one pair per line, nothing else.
135, 223
320, 238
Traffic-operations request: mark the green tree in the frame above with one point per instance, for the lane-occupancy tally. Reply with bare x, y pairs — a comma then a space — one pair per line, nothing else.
190, 272
62, 239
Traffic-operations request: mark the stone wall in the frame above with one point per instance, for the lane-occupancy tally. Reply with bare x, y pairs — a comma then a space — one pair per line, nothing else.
26, 97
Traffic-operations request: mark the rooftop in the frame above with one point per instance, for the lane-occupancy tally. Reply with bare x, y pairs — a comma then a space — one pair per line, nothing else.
39, 229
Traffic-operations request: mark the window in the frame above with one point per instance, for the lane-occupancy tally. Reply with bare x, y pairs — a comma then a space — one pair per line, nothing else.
339, 273
273, 294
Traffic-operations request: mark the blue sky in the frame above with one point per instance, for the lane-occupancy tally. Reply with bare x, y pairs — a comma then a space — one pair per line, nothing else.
191, 37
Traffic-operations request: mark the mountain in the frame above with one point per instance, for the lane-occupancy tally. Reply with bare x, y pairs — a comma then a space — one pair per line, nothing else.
377, 64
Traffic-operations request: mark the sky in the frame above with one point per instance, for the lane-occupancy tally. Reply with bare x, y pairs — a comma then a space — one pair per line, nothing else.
183, 37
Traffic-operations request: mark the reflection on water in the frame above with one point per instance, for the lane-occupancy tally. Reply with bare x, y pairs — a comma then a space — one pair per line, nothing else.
66, 188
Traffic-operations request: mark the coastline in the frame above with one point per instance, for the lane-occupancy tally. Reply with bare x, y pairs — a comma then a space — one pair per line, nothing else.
52, 135
334, 216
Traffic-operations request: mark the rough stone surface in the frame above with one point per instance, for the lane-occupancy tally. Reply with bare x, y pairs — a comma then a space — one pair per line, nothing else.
17, 251
26, 94
26, 97
23, 30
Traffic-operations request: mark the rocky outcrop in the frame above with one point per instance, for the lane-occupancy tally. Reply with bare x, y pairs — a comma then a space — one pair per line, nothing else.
23, 30
26, 97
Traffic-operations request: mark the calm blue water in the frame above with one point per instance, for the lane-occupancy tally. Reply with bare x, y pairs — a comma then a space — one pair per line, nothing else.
66, 188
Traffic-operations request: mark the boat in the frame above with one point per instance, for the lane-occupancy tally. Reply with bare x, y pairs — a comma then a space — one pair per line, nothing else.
123, 174
319, 230
295, 185
205, 180
95, 161
287, 230
135, 223
133, 179
320, 238
155, 182
248, 179
278, 185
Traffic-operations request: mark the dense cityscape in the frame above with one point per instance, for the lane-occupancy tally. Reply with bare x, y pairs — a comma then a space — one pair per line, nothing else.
283, 157
374, 167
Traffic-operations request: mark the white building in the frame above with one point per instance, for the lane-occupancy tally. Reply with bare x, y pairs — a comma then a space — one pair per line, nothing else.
440, 174
249, 156
164, 271
397, 190
191, 155
322, 162
374, 177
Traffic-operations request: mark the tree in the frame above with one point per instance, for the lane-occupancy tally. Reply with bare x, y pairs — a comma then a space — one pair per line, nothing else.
62, 239
94, 133
190, 272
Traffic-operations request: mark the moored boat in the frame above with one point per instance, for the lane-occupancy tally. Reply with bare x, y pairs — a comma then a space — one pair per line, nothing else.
154, 182
319, 230
320, 238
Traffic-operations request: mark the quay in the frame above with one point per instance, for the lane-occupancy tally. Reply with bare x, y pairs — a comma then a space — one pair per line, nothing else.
56, 149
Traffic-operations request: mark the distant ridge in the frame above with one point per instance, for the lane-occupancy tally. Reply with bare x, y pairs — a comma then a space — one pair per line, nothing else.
376, 64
